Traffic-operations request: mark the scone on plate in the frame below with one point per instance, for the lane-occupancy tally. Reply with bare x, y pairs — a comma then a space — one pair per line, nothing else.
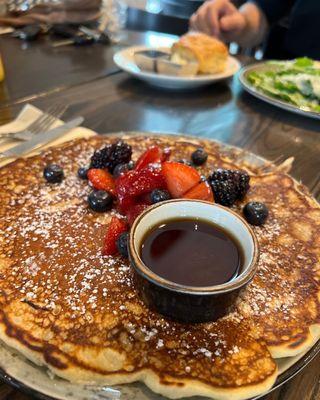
210, 53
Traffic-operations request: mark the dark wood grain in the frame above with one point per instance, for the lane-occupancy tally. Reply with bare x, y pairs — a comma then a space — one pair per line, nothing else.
222, 112
36, 68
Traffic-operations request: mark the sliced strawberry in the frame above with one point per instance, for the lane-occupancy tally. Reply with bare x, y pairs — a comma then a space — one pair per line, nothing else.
101, 180
202, 191
153, 155
114, 230
134, 184
179, 178
166, 154
134, 211
125, 203
144, 199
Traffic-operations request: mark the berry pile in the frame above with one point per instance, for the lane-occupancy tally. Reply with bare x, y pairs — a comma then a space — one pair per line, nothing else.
135, 186
132, 187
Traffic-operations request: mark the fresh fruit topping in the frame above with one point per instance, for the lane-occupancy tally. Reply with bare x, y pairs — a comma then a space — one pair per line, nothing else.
203, 178
114, 230
135, 211
120, 169
53, 173
152, 156
83, 173
240, 179
111, 155
243, 183
255, 213
123, 168
166, 154
137, 183
199, 157
225, 192
122, 244
202, 191
100, 201
101, 179
131, 164
184, 161
179, 178
158, 195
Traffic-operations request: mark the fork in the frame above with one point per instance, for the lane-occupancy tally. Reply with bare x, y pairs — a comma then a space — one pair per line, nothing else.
41, 124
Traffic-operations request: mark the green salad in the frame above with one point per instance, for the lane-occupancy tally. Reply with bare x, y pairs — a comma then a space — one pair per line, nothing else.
296, 82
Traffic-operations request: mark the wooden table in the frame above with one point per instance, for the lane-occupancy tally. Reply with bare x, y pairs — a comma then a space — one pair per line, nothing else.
110, 101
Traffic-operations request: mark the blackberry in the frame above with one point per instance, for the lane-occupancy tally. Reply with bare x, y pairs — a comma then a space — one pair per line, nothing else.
111, 155
225, 192
240, 179
199, 157
255, 213
122, 244
53, 173
243, 184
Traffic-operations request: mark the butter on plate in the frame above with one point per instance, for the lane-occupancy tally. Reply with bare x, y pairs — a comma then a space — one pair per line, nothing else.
163, 63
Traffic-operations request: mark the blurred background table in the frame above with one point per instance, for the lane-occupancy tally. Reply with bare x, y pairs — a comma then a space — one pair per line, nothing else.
88, 81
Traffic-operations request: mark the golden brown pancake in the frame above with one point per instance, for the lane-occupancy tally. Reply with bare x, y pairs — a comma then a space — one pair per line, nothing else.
66, 306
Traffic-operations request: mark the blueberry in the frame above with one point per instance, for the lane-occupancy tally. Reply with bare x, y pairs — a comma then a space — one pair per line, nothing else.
120, 169
199, 157
100, 201
184, 161
122, 244
53, 173
158, 195
83, 173
131, 165
255, 213
123, 168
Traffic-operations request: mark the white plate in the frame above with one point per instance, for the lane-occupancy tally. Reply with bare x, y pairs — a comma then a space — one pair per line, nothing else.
267, 98
125, 60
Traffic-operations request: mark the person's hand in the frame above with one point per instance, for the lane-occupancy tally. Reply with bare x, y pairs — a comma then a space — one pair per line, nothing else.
219, 18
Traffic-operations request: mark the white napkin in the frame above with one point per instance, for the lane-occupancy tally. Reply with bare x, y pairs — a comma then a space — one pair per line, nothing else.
28, 114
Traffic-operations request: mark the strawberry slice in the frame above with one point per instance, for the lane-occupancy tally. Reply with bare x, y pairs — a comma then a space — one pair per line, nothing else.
100, 179
134, 211
125, 203
180, 178
134, 184
153, 155
114, 230
202, 191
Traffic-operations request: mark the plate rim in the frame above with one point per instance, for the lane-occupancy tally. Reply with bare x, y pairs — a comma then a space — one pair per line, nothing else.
283, 378
169, 78
267, 98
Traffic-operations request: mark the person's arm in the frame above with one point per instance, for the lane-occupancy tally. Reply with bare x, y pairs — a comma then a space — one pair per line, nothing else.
247, 26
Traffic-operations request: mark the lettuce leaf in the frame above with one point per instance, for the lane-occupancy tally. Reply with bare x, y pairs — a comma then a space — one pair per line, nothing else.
296, 82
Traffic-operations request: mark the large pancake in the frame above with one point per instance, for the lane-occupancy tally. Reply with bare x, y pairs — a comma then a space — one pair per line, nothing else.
66, 306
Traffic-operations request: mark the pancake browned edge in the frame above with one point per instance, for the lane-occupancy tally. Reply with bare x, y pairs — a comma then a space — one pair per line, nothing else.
68, 307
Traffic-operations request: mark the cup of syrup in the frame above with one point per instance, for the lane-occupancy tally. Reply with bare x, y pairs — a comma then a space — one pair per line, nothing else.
191, 258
